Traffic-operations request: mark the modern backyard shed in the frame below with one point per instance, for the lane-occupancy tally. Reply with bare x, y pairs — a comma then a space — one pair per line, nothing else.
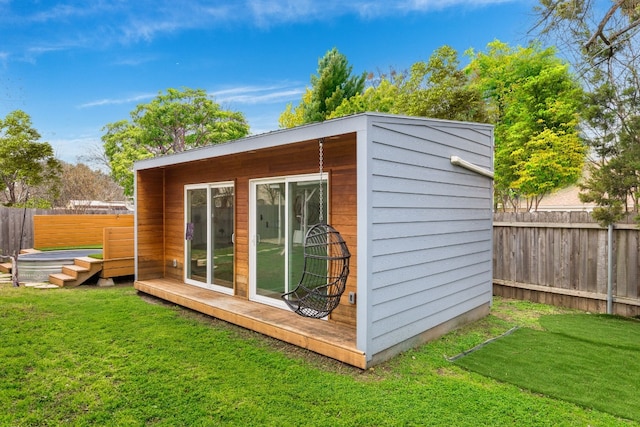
222, 229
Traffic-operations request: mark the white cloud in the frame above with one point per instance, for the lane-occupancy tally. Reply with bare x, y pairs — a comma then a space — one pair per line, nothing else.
135, 61
271, 12
71, 149
252, 95
59, 12
246, 95
40, 50
122, 22
111, 101
166, 17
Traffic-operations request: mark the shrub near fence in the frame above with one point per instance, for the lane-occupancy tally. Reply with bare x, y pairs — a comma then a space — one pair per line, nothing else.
561, 258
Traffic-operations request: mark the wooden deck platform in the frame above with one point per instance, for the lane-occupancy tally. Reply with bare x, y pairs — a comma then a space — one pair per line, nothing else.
326, 338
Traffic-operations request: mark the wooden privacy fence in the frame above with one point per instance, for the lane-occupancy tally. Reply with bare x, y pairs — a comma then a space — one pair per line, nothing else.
16, 229
561, 258
55, 231
17, 224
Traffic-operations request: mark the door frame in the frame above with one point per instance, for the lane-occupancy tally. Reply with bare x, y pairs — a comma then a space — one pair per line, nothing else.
253, 235
208, 284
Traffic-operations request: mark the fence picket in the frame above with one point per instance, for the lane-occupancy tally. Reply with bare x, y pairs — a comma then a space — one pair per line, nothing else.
561, 257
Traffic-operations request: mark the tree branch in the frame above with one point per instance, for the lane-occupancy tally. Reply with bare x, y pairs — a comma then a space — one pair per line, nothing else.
599, 32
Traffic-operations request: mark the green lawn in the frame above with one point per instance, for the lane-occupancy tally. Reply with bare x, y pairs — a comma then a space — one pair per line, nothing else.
592, 360
106, 356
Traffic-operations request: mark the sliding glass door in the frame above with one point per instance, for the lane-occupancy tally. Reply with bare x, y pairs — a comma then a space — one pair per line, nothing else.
209, 213
281, 212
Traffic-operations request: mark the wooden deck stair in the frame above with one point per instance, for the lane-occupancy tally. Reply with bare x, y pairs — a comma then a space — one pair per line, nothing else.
82, 269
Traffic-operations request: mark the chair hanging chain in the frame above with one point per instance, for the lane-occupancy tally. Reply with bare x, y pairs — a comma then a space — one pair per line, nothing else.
320, 194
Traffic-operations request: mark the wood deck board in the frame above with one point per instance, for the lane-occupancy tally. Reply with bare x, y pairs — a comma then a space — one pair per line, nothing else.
327, 338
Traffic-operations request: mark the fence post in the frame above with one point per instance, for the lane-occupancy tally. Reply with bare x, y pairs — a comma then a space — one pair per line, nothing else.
610, 270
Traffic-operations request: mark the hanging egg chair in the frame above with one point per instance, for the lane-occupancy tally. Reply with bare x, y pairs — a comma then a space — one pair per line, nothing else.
326, 268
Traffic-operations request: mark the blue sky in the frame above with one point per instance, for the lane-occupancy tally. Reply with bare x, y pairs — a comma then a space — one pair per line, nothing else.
75, 66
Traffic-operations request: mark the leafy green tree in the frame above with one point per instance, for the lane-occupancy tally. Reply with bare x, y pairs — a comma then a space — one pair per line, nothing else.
534, 102
602, 40
380, 98
25, 163
439, 89
123, 147
170, 123
333, 84
294, 116
613, 182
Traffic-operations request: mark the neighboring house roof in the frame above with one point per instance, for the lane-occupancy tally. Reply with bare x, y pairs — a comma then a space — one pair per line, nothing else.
95, 204
565, 199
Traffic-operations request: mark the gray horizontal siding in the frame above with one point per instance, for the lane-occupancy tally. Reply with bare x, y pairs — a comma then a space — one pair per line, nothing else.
462, 286
467, 143
394, 184
430, 227
400, 260
419, 278
464, 242
399, 214
425, 228
427, 317
387, 199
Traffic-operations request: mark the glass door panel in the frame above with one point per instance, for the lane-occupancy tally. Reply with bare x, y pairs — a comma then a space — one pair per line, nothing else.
304, 212
209, 227
196, 235
222, 236
270, 239
282, 210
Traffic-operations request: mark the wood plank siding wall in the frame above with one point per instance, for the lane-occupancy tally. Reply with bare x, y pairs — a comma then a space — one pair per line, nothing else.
431, 228
561, 258
54, 231
161, 205
150, 261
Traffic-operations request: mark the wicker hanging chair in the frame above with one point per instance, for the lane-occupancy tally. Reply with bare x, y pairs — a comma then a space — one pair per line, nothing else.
326, 265
324, 277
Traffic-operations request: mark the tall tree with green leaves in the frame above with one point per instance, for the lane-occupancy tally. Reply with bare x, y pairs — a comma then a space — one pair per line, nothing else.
602, 38
379, 98
25, 162
534, 102
172, 122
437, 88
613, 181
333, 83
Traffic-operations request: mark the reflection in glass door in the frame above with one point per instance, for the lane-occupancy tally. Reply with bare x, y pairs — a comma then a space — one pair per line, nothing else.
221, 231
270, 239
282, 210
209, 213
196, 234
